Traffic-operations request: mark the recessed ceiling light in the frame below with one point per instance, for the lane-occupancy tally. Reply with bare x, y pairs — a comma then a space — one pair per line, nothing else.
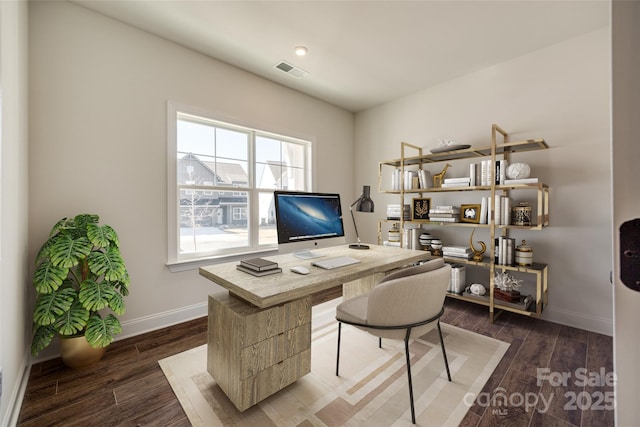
301, 50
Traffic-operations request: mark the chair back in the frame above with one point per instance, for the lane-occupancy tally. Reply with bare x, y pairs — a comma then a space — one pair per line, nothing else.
409, 296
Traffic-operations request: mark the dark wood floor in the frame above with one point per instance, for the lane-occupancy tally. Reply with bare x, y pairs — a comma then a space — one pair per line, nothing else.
128, 388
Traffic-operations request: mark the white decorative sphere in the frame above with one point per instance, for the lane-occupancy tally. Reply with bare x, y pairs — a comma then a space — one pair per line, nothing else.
518, 171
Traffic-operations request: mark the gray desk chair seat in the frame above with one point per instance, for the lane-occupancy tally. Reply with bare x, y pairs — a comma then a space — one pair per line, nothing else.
404, 305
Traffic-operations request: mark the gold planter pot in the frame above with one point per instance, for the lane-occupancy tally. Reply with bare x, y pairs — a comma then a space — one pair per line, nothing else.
77, 353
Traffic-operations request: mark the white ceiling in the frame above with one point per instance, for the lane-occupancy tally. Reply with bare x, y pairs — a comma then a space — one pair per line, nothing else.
361, 53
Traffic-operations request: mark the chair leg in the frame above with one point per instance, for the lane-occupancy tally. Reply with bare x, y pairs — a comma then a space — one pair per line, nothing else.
406, 350
379, 342
338, 355
444, 353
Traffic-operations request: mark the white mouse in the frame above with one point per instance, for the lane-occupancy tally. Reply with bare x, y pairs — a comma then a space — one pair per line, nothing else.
300, 270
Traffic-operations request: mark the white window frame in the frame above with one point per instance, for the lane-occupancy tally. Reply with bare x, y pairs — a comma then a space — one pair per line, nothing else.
180, 262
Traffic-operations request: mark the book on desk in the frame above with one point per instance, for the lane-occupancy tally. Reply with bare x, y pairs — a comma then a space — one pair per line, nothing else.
259, 266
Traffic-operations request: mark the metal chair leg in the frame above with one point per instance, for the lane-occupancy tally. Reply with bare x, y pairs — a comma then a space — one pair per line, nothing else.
379, 342
444, 353
338, 355
406, 350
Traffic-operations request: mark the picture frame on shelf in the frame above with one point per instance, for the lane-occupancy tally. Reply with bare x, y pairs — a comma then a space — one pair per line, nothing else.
470, 213
420, 209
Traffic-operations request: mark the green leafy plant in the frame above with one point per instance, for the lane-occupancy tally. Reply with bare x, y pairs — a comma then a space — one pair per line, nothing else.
79, 272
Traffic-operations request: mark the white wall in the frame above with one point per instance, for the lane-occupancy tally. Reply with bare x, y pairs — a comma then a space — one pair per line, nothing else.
14, 263
626, 201
561, 94
98, 140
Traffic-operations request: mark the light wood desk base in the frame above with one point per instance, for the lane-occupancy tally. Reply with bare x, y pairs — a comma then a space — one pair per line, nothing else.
254, 351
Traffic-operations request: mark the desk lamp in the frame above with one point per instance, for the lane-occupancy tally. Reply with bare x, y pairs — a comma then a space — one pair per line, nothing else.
363, 204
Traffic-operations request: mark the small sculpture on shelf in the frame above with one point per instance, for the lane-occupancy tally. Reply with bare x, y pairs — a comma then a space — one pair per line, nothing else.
438, 178
477, 254
506, 287
477, 289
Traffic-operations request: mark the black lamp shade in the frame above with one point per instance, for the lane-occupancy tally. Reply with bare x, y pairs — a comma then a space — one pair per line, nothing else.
364, 203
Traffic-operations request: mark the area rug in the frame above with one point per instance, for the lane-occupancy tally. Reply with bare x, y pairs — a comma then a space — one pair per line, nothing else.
371, 390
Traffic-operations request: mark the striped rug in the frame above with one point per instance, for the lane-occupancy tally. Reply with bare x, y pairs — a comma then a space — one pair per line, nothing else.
372, 387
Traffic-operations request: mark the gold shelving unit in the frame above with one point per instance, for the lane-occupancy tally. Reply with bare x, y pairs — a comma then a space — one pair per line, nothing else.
500, 148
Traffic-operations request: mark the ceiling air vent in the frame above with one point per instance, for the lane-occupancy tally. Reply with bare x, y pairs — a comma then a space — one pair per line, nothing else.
291, 69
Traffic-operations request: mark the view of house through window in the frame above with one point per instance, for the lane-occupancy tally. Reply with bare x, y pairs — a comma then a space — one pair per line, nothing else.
226, 176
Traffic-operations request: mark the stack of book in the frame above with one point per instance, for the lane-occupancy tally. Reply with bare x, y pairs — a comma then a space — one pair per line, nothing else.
394, 211
456, 182
444, 214
457, 252
258, 266
521, 181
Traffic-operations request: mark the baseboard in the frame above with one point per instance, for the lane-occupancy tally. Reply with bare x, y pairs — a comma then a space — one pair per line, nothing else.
142, 325
139, 326
600, 325
17, 394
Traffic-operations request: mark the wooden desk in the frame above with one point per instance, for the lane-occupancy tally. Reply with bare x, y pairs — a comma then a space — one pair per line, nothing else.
259, 338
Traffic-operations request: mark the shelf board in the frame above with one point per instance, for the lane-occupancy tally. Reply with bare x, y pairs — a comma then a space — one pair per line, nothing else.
535, 186
535, 268
484, 263
469, 153
497, 303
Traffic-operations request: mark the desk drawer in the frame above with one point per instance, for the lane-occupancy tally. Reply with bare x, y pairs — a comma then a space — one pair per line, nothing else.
274, 350
273, 379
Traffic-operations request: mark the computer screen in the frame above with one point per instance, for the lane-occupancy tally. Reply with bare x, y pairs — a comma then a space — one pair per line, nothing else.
308, 218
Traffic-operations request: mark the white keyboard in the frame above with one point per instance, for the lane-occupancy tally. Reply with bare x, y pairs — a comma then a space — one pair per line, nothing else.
331, 263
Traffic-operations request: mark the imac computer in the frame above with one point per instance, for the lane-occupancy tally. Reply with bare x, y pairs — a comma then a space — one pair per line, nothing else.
308, 220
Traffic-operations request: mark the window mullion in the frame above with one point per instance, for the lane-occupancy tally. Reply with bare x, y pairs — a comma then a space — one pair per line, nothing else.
253, 209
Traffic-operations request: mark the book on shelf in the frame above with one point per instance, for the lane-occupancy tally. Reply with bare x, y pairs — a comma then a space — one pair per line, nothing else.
408, 180
258, 264
463, 180
444, 219
458, 249
445, 209
425, 178
500, 171
521, 181
395, 180
394, 212
454, 184
456, 255
504, 250
443, 214
483, 210
487, 172
473, 175
502, 210
259, 273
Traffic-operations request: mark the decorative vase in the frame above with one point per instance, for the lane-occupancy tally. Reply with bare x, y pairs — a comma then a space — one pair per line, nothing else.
524, 254
518, 171
521, 214
77, 353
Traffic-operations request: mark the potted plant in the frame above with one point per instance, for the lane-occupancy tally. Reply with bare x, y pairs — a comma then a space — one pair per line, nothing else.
79, 273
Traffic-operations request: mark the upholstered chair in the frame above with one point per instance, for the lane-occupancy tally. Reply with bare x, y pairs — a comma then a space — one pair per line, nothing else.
403, 305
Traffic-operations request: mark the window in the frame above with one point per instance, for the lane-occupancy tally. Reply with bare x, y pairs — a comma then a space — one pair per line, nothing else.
221, 178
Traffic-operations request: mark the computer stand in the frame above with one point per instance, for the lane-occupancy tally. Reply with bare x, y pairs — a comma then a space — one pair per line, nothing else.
307, 254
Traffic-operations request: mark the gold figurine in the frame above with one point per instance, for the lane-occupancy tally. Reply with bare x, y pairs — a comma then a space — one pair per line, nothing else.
477, 254
439, 177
